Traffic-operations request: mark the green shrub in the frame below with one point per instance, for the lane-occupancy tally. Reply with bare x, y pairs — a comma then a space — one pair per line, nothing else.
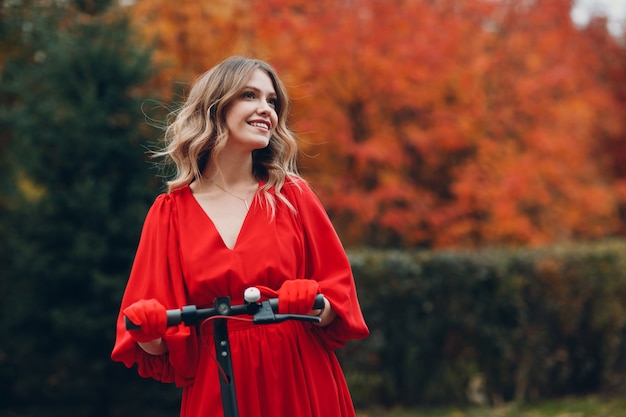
488, 326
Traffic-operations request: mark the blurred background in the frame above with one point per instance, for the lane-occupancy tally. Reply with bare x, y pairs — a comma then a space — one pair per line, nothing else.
470, 153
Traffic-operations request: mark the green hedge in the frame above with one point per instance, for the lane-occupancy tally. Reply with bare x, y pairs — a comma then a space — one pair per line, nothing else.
446, 328
488, 326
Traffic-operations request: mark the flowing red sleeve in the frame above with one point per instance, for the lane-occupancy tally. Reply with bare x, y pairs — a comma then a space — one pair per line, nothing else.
327, 263
156, 273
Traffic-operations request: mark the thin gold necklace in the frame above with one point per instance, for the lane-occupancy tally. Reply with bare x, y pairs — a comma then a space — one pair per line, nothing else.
245, 200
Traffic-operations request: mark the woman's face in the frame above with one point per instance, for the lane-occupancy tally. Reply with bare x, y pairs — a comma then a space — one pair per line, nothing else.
251, 118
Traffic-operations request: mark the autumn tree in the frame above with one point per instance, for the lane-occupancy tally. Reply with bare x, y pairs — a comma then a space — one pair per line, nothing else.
433, 123
393, 109
610, 135
482, 133
189, 37
537, 175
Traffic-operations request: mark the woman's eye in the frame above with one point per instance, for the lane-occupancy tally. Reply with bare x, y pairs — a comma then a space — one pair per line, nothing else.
248, 94
273, 102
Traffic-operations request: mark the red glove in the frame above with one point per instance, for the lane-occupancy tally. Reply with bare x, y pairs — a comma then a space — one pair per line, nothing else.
297, 296
151, 316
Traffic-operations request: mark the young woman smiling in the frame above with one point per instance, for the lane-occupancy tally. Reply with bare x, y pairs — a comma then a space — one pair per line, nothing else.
237, 214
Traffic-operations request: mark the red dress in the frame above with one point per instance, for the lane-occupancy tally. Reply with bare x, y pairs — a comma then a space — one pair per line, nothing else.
280, 370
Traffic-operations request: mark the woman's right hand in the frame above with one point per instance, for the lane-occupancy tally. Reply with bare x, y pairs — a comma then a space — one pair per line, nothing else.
151, 316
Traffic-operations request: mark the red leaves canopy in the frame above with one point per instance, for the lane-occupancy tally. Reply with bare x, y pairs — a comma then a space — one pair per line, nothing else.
433, 123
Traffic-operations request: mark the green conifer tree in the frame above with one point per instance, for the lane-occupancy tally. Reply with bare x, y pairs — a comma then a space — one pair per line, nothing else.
73, 200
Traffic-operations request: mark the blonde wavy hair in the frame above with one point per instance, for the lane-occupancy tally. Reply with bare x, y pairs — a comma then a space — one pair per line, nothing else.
197, 131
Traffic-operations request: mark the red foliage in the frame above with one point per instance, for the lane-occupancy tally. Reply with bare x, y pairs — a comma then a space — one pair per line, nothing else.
434, 122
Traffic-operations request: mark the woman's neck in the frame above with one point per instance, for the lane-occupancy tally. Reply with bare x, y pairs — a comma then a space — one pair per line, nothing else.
231, 173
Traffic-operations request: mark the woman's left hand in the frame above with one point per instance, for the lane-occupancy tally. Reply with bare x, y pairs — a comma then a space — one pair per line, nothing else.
327, 314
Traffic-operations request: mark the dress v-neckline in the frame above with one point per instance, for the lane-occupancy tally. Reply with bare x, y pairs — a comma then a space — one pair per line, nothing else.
214, 225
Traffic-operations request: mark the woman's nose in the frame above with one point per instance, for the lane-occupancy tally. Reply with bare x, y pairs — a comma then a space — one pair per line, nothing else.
264, 107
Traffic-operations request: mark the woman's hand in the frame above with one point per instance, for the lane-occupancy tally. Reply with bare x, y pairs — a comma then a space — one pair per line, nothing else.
327, 314
297, 296
151, 316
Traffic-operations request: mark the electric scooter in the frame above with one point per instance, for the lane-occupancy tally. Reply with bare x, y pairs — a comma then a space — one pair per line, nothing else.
262, 312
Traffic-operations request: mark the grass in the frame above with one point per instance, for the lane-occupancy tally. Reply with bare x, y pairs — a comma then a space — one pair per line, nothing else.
591, 406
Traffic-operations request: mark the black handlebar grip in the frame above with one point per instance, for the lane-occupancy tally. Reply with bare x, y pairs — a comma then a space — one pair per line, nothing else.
130, 325
175, 317
317, 305
319, 302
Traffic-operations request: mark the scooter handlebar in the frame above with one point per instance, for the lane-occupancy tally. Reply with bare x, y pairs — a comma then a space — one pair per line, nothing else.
191, 314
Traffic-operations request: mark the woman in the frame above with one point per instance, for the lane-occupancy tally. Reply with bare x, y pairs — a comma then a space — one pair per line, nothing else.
238, 215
